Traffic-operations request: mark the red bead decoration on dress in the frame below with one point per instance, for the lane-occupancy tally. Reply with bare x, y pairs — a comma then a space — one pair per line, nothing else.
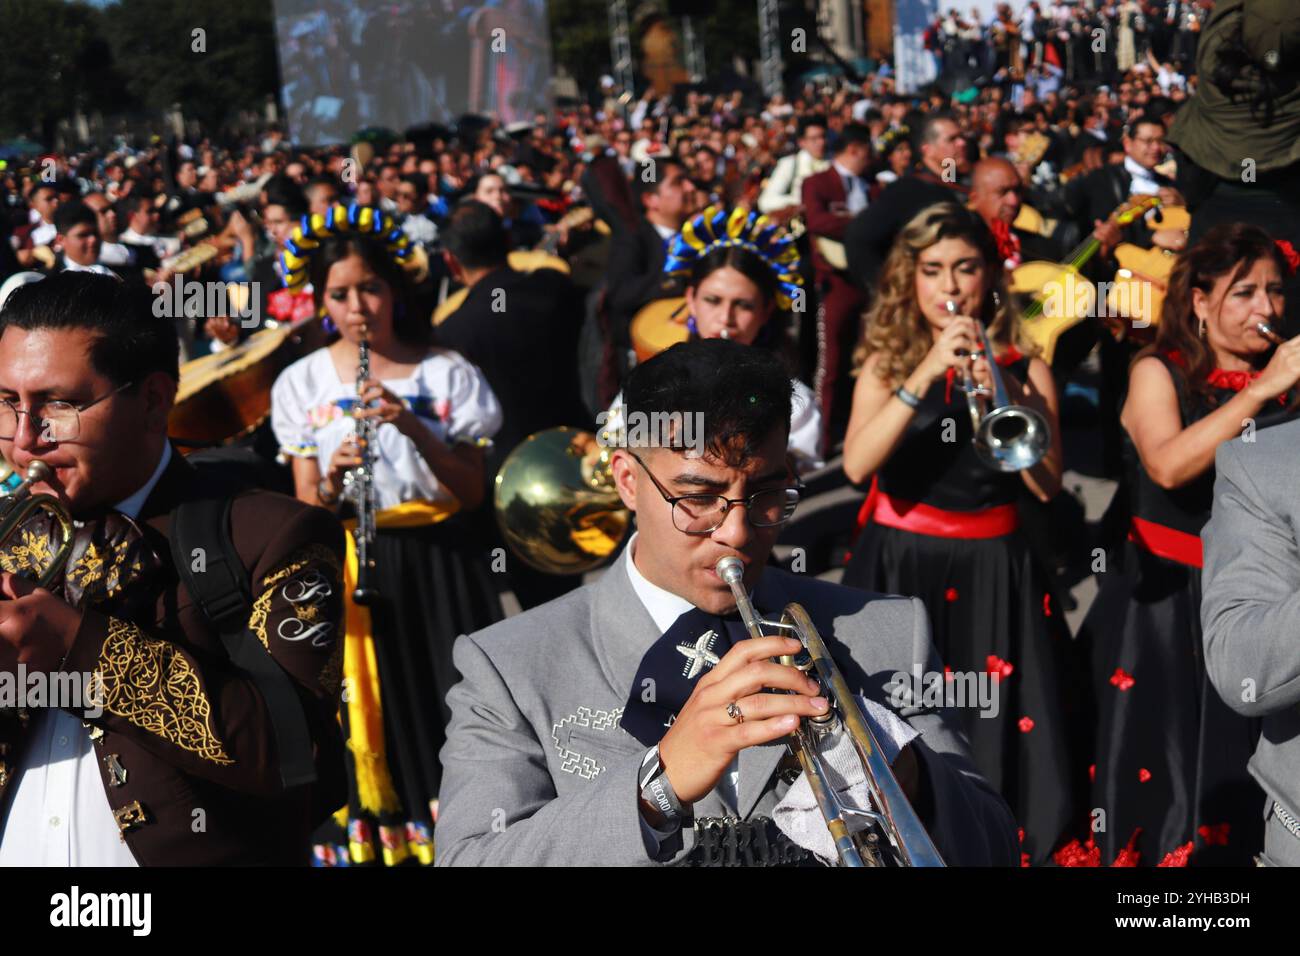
1215, 834
1026, 724
1092, 771
950, 595
1047, 605
1177, 857
1075, 853
1144, 775
1128, 856
1122, 679
998, 667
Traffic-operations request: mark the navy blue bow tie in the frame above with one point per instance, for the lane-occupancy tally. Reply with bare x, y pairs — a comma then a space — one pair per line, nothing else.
672, 666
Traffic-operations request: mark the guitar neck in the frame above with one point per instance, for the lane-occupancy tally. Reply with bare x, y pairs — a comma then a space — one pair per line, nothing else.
1076, 260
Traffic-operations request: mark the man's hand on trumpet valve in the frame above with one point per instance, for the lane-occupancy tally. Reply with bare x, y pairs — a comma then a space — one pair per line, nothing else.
36, 628
705, 737
738, 704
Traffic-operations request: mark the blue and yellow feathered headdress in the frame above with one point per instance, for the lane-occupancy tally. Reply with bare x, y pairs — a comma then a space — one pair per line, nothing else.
311, 229
715, 227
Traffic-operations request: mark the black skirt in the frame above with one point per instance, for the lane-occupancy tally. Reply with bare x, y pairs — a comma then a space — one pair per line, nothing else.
1171, 756
434, 585
990, 611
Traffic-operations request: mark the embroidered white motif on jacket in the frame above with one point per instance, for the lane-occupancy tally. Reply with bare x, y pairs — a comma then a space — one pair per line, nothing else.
588, 768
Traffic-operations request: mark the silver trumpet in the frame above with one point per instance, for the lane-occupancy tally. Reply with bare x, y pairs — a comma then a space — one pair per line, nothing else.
888, 832
359, 485
1270, 333
1007, 437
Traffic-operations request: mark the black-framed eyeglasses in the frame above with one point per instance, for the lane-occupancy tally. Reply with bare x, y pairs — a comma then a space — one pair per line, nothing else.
56, 422
704, 514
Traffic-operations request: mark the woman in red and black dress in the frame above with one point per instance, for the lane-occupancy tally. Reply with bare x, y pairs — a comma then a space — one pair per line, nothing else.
941, 525
1170, 773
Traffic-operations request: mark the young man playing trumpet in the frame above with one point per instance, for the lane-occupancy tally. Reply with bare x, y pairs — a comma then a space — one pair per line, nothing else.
632, 722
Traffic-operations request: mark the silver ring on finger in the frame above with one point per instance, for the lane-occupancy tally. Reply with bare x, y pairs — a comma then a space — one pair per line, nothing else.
734, 712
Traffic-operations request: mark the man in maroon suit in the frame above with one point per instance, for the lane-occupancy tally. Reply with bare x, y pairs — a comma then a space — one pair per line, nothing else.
831, 199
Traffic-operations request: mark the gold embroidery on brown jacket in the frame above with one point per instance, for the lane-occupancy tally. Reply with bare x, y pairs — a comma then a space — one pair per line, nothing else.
151, 684
262, 604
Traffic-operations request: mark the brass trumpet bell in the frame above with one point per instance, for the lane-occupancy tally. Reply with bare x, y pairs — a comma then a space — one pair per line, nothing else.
556, 503
20, 504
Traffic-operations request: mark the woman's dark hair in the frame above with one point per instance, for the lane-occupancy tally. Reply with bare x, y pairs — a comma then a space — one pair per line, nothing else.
742, 394
408, 325
471, 186
1230, 249
131, 340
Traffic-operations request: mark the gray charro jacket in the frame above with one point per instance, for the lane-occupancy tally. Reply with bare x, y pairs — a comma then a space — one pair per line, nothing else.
538, 771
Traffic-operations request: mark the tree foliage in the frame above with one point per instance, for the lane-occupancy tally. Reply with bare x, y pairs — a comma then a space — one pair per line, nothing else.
57, 57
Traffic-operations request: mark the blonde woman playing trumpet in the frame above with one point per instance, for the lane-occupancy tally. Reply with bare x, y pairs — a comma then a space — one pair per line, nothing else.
942, 525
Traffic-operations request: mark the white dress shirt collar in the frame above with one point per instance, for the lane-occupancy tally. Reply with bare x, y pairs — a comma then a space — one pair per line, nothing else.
1144, 180
664, 606
95, 267
131, 506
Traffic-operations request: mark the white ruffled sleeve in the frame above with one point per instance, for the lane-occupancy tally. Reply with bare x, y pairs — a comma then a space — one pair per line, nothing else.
472, 413
289, 413
805, 429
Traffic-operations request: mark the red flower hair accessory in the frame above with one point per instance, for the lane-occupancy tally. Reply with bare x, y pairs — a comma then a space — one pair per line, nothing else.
1289, 254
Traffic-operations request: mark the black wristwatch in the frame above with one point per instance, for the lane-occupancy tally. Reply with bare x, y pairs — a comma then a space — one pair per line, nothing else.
659, 804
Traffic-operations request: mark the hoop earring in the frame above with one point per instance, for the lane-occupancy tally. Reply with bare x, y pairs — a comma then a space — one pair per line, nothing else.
1201, 333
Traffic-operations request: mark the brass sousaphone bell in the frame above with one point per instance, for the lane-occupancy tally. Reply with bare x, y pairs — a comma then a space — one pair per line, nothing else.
556, 503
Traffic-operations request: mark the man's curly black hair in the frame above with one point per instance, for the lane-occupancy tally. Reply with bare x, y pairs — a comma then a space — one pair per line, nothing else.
742, 392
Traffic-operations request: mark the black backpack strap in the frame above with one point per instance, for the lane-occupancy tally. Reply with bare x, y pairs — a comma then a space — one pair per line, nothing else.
222, 593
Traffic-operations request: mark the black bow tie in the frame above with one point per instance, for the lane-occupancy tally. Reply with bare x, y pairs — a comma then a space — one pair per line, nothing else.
671, 668
109, 557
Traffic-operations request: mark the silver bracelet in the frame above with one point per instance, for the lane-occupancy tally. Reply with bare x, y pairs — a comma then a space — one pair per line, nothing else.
329, 499
907, 398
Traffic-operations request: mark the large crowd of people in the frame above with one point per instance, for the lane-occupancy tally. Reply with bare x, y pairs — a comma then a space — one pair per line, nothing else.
860, 274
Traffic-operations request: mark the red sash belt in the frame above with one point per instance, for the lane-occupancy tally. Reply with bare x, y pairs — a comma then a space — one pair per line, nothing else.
920, 518
1167, 543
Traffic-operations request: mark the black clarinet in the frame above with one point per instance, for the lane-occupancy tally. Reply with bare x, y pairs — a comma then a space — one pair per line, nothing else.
359, 485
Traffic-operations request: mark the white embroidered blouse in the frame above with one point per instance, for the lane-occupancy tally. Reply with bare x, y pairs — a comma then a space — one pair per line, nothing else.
311, 415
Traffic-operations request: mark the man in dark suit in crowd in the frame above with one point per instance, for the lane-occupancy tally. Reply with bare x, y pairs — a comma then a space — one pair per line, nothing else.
831, 199
521, 329
1091, 199
634, 271
867, 239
